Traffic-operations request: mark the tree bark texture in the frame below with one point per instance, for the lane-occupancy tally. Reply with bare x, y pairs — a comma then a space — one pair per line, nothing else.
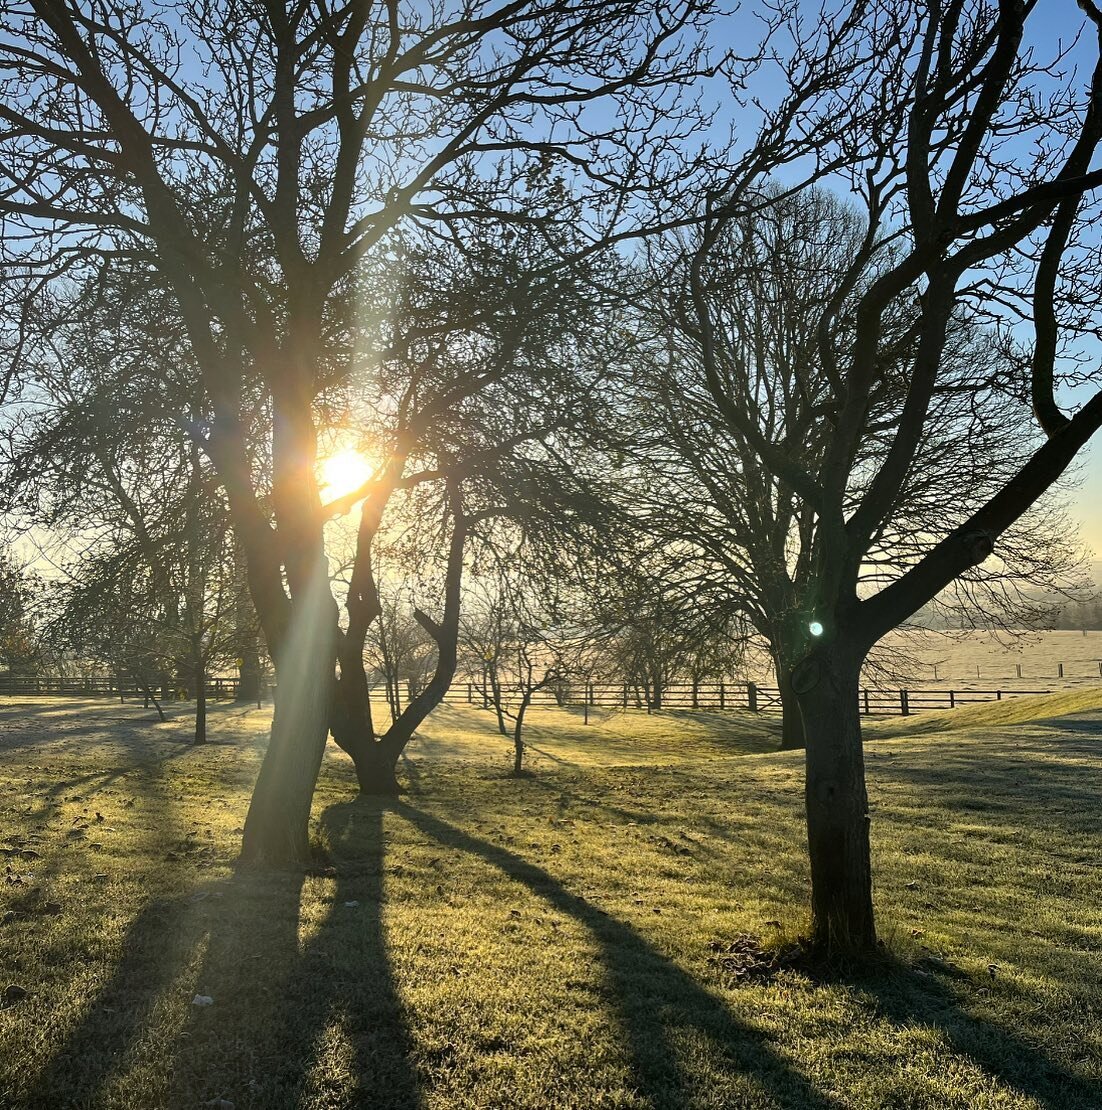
826, 683
278, 821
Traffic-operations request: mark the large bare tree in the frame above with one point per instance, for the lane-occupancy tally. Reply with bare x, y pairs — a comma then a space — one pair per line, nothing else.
733, 534
836, 400
972, 156
252, 158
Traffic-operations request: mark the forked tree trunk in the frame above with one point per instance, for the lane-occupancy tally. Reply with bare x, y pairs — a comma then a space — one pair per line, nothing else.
147, 691
354, 733
518, 736
277, 828
837, 804
375, 763
376, 760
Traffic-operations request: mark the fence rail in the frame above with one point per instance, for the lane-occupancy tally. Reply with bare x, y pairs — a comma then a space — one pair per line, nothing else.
20, 686
723, 696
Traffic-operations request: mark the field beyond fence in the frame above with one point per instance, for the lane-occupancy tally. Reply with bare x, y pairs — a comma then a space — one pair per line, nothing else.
939, 671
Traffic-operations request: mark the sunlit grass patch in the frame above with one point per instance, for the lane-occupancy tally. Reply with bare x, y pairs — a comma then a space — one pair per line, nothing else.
993, 714
551, 941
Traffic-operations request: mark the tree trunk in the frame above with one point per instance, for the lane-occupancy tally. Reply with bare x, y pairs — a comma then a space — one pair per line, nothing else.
495, 693
277, 828
376, 765
518, 737
376, 761
248, 675
200, 703
826, 683
246, 631
152, 697
792, 723
354, 733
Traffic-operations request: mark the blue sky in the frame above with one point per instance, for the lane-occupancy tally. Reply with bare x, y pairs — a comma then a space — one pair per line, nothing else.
1061, 19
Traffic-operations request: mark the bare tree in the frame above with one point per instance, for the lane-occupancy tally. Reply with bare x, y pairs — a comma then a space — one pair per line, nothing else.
19, 646
252, 158
736, 535
977, 191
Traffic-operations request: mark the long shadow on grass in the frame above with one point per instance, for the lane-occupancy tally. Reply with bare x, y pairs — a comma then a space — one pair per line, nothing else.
910, 998
980, 785
656, 1001
305, 1009
279, 985
156, 950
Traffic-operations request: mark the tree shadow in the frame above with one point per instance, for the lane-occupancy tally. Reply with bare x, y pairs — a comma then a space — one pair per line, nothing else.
294, 982
656, 1003
907, 997
976, 784
156, 950
302, 982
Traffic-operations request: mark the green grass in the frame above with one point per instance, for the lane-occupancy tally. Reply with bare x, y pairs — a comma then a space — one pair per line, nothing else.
561, 940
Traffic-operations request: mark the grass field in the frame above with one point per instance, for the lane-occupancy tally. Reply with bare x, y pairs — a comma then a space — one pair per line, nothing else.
940, 659
588, 936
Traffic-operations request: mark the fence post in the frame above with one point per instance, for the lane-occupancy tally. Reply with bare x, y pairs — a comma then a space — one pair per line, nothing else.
865, 692
752, 697
904, 704
625, 695
1059, 670
470, 694
723, 692
998, 695
1018, 668
952, 699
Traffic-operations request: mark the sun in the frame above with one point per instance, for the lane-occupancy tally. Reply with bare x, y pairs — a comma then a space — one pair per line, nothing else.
342, 472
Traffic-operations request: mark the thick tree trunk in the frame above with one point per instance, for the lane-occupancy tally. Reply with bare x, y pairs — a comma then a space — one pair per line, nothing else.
375, 762
277, 828
837, 804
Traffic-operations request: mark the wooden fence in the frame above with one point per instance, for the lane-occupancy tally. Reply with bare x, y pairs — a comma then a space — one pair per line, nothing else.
123, 689
607, 695
726, 696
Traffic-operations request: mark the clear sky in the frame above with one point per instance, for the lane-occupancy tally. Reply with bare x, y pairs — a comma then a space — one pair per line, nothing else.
1087, 503
1062, 19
